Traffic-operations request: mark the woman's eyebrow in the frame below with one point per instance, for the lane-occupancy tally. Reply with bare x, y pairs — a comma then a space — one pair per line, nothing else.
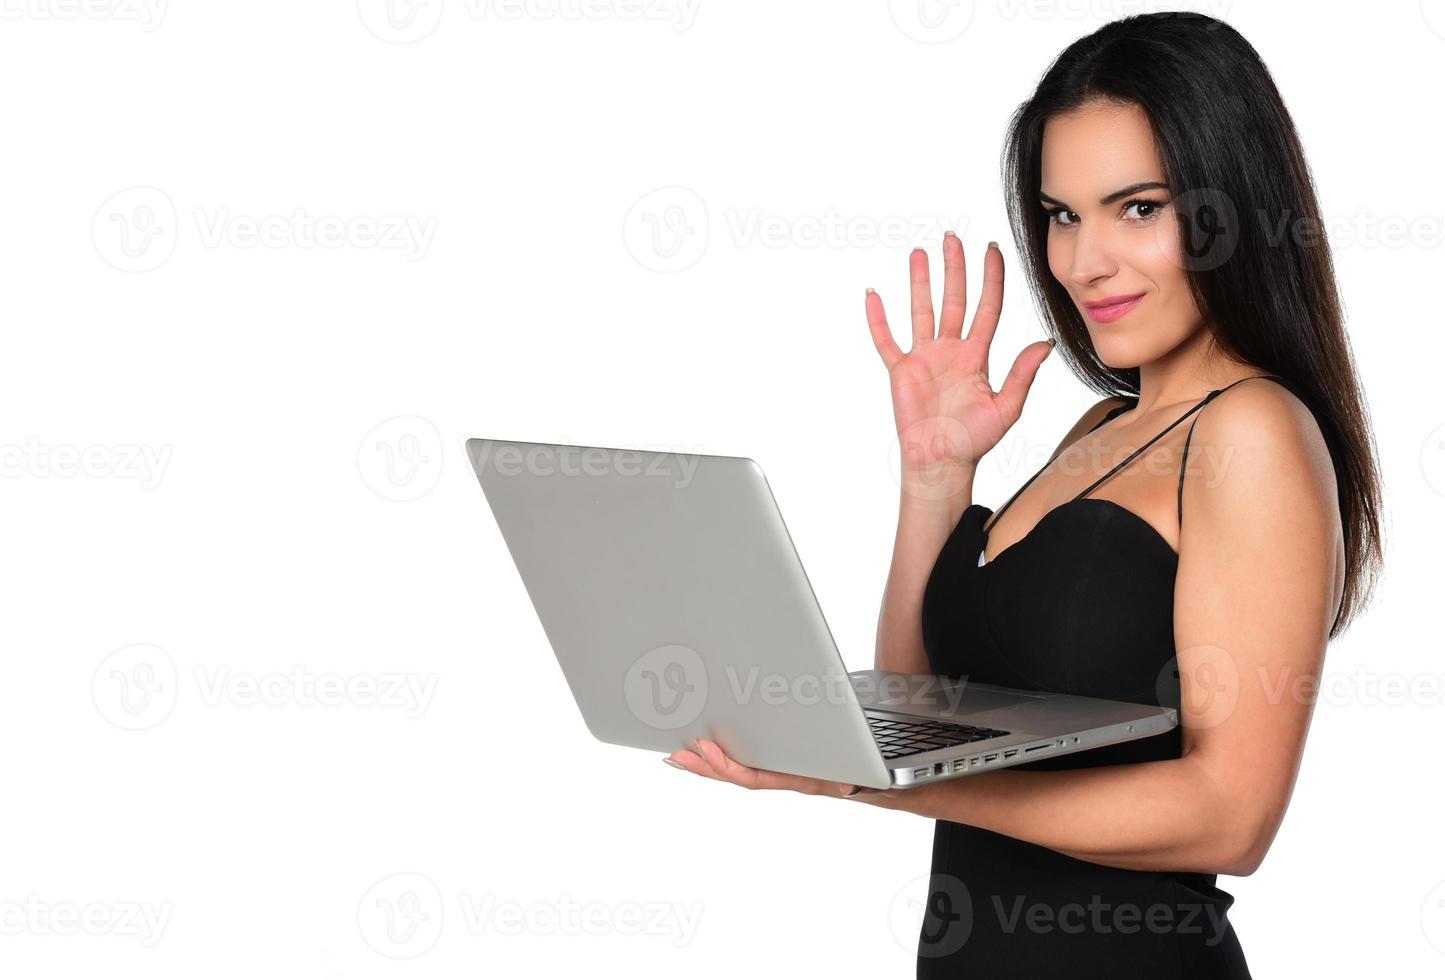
1147, 185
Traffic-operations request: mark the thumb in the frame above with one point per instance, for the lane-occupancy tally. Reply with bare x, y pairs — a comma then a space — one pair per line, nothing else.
1021, 378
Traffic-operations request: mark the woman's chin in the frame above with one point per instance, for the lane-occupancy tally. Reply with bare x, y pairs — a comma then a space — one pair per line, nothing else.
1117, 356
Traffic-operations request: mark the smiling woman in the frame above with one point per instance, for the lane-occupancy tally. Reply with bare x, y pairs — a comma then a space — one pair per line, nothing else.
1146, 176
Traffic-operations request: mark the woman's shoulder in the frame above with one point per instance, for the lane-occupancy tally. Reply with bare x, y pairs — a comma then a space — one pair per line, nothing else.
1095, 414
1266, 435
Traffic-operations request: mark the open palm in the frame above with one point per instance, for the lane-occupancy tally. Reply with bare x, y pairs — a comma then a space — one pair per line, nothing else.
947, 413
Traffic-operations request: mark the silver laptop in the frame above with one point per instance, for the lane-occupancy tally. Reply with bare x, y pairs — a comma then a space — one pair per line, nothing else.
677, 607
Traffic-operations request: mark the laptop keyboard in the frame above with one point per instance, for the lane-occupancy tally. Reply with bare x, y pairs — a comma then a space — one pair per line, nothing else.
900, 738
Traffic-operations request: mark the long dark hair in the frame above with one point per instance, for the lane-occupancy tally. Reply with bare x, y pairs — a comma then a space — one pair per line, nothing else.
1255, 255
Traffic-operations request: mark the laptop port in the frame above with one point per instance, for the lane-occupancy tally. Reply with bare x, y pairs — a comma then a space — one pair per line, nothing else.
1011, 753
958, 766
920, 773
990, 758
939, 768
1035, 748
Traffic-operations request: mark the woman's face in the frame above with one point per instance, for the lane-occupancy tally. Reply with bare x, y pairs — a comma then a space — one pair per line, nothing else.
1113, 236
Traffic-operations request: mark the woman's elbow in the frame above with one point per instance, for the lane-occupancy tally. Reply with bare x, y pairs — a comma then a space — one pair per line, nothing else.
1242, 850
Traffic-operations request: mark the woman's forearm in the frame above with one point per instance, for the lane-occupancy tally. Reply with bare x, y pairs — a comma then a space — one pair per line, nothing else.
929, 509
1156, 816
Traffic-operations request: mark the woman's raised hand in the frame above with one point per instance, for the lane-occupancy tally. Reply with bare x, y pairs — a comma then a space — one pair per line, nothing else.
948, 415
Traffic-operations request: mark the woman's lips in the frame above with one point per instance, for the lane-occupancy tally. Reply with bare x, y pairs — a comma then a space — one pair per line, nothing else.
1113, 307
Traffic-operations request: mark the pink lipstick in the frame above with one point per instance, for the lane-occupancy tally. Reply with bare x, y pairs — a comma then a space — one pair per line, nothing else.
1111, 308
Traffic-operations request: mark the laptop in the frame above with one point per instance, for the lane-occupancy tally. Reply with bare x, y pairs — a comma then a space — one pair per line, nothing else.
677, 607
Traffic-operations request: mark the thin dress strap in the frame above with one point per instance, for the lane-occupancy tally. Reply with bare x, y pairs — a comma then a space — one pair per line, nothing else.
1129, 459
1007, 504
1184, 457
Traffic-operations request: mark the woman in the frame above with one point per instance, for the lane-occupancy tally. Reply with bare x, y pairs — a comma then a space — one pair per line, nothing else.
1162, 203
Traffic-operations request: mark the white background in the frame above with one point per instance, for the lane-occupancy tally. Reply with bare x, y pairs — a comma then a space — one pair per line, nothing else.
334, 230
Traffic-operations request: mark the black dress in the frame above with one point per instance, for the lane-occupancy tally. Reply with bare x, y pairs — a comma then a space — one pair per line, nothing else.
1083, 604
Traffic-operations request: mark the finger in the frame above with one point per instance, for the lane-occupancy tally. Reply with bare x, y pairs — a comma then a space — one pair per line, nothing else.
735, 772
921, 297
955, 287
878, 326
990, 301
693, 762
726, 768
1010, 398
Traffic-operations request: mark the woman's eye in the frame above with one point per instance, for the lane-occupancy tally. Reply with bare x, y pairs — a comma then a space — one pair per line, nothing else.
1143, 210
1063, 217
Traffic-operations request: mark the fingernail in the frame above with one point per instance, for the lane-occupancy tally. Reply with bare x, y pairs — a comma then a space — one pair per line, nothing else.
673, 764
949, 234
993, 244
870, 291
